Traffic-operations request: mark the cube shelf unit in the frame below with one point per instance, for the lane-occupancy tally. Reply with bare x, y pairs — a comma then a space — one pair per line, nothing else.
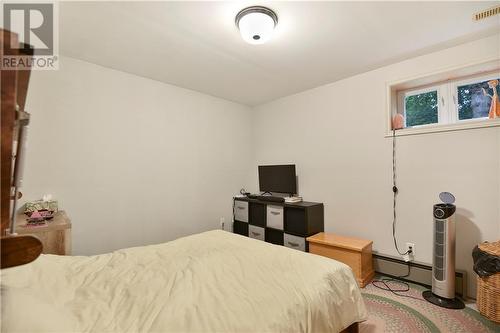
280, 223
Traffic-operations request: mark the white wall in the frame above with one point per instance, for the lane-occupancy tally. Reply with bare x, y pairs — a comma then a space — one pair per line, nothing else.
335, 136
133, 161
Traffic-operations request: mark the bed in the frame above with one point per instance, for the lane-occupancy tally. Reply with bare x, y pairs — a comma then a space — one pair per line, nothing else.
210, 282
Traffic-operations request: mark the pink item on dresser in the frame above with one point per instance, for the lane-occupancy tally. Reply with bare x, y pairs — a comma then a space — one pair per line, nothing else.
36, 215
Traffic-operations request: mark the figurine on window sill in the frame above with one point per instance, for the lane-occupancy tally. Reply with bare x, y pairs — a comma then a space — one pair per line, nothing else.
495, 102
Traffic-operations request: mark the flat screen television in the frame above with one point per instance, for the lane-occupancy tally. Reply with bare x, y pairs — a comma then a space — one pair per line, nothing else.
278, 178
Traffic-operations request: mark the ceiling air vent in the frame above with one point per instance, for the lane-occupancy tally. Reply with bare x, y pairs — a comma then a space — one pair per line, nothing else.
487, 13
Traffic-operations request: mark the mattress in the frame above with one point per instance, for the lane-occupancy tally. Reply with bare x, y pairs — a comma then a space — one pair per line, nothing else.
209, 282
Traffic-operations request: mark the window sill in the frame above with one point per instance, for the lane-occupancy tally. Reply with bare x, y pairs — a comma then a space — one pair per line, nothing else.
463, 125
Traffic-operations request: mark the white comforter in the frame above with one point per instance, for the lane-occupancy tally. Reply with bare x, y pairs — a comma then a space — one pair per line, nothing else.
210, 282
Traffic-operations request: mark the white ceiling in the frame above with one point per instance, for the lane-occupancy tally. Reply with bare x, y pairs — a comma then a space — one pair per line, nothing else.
196, 45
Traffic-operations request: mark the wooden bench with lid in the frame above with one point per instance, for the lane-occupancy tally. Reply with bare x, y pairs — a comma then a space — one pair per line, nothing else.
354, 252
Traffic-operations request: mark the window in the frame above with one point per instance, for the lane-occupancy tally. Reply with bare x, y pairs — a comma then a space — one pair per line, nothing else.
421, 108
451, 102
472, 102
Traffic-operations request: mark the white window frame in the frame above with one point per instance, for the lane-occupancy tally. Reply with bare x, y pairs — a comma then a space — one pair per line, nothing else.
411, 92
447, 106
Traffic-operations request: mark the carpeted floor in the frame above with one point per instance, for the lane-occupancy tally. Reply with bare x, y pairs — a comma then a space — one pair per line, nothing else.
393, 314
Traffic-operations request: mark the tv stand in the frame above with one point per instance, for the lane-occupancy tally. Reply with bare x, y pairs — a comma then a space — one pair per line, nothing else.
280, 223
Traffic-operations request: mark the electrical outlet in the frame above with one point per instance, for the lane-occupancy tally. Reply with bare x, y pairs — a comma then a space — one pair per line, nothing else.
222, 223
410, 248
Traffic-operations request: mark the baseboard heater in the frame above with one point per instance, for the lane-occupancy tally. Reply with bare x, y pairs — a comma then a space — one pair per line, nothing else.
419, 273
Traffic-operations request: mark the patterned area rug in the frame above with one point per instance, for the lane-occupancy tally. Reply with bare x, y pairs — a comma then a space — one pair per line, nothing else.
393, 314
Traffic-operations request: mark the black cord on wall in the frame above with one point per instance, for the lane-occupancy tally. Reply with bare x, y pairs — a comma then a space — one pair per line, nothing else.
395, 191
385, 282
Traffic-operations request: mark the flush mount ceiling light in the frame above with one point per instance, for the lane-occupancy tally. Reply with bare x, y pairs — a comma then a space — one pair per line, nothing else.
256, 24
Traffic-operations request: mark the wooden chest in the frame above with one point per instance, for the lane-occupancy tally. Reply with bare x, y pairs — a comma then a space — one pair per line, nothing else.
354, 252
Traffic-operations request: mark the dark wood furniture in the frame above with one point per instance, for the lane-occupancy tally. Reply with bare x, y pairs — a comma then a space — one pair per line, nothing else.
19, 250
16, 250
354, 328
287, 224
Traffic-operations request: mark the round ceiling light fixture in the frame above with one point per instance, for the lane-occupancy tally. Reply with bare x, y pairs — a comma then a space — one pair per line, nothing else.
256, 24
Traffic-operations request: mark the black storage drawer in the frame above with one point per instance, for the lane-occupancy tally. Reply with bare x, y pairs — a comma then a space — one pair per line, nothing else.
274, 236
257, 214
240, 228
295, 221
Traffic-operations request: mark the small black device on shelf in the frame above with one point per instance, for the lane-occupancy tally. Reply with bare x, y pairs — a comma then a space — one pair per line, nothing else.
270, 198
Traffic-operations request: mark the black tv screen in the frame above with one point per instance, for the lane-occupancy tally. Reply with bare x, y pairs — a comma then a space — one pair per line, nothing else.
278, 178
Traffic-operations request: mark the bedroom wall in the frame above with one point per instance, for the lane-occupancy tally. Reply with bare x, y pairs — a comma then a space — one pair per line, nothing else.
133, 161
335, 136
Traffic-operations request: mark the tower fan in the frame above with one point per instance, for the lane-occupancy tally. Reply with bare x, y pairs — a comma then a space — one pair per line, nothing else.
443, 262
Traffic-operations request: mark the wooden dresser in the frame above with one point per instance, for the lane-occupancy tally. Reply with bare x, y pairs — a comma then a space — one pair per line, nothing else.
55, 236
354, 252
